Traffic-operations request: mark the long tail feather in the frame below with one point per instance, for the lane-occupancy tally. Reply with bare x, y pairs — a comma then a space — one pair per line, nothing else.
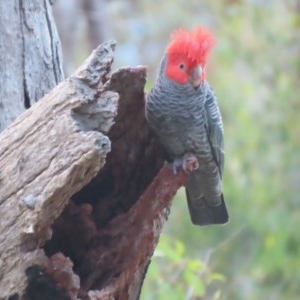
203, 214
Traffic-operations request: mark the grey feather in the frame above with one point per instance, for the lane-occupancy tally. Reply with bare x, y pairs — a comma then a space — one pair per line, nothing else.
188, 120
214, 128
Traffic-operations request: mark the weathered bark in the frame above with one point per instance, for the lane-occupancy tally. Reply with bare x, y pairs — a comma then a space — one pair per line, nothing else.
128, 242
30, 55
46, 155
100, 226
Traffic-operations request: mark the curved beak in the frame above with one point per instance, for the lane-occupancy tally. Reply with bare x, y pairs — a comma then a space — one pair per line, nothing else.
196, 76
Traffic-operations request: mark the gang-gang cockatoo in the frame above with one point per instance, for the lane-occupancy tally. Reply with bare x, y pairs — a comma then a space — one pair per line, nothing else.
183, 112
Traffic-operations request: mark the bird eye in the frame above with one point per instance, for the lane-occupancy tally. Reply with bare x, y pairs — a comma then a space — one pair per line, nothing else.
181, 66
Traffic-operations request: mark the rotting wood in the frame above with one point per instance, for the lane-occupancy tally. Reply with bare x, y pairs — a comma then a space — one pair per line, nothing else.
47, 154
111, 227
100, 245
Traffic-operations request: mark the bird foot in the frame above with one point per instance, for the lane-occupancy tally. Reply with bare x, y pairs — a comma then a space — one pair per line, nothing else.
188, 162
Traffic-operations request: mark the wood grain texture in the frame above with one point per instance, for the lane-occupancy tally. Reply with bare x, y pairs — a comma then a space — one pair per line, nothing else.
111, 227
30, 55
133, 237
47, 154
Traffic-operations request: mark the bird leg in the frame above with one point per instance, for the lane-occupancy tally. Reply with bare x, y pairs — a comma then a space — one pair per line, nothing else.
188, 162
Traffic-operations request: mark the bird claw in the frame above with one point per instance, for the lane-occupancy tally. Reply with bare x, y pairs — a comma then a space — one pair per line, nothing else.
177, 163
189, 163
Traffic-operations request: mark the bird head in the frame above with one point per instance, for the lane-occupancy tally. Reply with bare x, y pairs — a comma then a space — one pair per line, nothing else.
187, 55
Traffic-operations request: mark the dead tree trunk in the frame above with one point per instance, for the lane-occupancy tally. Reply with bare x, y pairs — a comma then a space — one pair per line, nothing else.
62, 233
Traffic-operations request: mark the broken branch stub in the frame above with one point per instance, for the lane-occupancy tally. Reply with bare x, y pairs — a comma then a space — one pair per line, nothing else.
112, 224
47, 154
111, 227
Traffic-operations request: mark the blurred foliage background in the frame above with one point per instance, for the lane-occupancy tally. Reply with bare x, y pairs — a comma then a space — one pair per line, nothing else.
255, 71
